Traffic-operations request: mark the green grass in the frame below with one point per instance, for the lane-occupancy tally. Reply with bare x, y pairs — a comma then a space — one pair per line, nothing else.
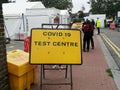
109, 72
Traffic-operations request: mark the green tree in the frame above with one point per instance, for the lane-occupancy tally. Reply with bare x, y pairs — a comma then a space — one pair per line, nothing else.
3, 1
59, 4
4, 80
108, 7
80, 14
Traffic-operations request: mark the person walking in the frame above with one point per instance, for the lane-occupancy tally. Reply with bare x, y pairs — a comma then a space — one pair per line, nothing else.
86, 28
92, 33
98, 24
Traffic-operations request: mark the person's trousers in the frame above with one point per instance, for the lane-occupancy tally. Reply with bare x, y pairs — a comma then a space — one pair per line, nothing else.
98, 28
91, 39
86, 41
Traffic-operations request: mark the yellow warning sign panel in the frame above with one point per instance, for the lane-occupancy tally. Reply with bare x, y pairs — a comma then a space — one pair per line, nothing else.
55, 46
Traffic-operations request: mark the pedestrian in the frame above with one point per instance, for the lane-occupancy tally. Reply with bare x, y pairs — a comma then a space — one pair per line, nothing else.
92, 33
74, 25
86, 28
83, 21
57, 26
98, 24
93, 22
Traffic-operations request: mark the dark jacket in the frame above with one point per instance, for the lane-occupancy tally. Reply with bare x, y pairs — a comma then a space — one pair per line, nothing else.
87, 27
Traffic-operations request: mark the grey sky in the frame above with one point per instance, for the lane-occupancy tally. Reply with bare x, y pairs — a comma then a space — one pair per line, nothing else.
77, 5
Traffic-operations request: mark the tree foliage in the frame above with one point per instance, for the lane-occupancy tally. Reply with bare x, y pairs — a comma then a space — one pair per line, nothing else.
59, 4
3, 1
108, 7
80, 14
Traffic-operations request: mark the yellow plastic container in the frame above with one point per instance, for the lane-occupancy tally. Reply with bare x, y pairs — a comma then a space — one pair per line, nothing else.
23, 82
21, 73
18, 62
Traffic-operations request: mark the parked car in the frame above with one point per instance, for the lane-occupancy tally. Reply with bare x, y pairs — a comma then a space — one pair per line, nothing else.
108, 22
117, 22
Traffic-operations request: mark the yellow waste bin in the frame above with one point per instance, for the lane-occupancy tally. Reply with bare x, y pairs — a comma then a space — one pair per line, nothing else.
21, 73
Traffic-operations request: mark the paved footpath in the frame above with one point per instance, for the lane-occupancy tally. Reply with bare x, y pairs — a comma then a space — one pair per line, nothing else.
91, 75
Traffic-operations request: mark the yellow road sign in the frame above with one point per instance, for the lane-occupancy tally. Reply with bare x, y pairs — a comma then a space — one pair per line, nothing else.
55, 46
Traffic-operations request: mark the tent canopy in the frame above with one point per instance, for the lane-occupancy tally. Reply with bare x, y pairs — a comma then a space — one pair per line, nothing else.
17, 8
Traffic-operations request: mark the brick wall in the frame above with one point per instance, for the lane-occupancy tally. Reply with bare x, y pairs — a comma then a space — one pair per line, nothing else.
4, 78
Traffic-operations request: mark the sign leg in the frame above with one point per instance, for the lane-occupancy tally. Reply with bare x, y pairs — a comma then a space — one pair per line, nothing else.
71, 77
41, 67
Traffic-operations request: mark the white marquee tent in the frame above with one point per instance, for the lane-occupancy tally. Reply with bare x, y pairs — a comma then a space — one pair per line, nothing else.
20, 19
17, 8
14, 17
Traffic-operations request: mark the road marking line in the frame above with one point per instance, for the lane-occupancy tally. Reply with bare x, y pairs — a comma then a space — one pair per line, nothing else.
113, 46
117, 48
112, 43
